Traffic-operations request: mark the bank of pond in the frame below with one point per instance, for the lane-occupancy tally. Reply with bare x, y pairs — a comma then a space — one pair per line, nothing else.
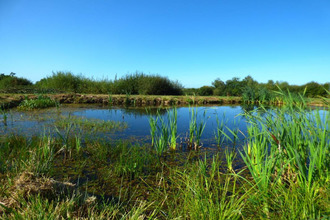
188, 162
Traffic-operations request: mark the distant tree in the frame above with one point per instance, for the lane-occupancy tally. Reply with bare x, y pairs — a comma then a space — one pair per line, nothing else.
233, 87
313, 89
270, 85
205, 91
219, 87
12, 82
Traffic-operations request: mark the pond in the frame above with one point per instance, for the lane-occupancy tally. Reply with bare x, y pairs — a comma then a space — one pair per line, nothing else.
136, 121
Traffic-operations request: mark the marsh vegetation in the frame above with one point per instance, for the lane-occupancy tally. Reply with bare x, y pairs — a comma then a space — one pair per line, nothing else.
276, 166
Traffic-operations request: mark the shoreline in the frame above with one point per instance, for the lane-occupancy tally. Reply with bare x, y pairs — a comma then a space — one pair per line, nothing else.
8, 101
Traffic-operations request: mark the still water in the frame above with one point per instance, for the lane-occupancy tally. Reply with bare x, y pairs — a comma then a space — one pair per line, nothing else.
137, 120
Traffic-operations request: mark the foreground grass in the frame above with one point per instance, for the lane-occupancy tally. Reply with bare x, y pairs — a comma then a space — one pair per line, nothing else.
286, 175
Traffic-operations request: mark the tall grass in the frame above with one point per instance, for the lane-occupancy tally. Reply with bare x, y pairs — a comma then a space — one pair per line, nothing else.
172, 117
219, 132
163, 131
4, 116
196, 127
202, 192
289, 148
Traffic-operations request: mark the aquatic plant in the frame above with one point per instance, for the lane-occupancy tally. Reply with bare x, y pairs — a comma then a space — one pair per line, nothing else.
163, 131
230, 156
201, 194
4, 116
40, 102
172, 117
41, 157
195, 128
153, 128
110, 100
89, 124
288, 148
219, 132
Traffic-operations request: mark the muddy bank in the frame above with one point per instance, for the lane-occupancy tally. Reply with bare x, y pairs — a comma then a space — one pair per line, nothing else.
13, 100
7, 101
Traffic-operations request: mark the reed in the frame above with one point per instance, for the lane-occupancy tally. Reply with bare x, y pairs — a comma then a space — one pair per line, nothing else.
196, 128
162, 137
219, 132
230, 156
192, 125
4, 116
110, 100
153, 128
172, 117
287, 148
41, 157
203, 192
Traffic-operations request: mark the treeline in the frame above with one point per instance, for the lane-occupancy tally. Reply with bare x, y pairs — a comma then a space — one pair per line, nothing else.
67, 82
251, 90
142, 84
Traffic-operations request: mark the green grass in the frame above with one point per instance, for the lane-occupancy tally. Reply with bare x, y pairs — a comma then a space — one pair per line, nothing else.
196, 127
285, 173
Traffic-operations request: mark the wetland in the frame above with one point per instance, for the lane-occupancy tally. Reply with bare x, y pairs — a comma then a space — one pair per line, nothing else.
189, 162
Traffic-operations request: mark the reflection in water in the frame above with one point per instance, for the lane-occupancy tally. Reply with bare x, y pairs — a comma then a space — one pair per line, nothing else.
33, 123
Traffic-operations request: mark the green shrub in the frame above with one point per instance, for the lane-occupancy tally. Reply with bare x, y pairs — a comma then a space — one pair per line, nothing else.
205, 91
40, 102
11, 81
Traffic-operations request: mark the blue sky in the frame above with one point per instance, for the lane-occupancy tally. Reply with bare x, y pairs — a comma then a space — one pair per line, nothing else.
192, 41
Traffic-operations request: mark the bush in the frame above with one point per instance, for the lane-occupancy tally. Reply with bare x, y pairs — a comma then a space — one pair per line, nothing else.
132, 84
142, 84
40, 102
205, 91
62, 81
11, 81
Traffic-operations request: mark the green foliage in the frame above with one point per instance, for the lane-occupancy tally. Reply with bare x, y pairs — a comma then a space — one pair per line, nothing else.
40, 102
288, 148
62, 81
205, 91
13, 82
138, 83
142, 84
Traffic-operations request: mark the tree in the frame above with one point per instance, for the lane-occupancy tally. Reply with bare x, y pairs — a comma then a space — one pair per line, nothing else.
205, 91
219, 87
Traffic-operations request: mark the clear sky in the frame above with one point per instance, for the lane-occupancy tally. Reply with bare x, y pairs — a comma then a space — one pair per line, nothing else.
192, 41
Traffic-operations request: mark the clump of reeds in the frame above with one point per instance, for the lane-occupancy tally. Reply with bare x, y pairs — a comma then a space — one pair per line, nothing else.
163, 131
288, 150
196, 128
